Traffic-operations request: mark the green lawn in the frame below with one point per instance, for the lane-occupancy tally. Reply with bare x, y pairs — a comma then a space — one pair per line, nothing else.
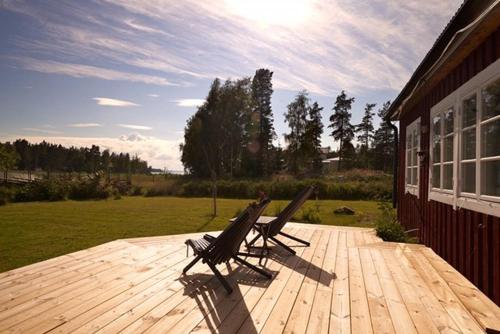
31, 232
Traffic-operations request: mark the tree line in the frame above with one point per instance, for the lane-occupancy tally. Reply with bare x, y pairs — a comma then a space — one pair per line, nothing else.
50, 158
232, 133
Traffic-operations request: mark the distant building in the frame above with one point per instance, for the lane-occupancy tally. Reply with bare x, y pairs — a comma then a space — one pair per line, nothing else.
330, 165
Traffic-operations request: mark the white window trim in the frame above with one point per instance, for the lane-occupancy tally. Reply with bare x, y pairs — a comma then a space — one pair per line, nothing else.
410, 188
473, 201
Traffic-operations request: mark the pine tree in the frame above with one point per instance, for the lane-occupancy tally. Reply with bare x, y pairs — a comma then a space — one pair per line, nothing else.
383, 142
262, 90
314, 130
342, 129
296, 117
365, 133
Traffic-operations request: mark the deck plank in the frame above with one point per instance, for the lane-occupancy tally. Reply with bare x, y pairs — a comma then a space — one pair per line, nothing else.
347, 281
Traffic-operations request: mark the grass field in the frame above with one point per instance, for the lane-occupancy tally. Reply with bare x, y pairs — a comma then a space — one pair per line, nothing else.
31, 232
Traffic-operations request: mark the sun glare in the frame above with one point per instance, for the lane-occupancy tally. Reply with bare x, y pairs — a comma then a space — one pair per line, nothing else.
272, 12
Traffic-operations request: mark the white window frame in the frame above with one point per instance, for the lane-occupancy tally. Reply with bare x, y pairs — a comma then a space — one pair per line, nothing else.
412, 128
473, 201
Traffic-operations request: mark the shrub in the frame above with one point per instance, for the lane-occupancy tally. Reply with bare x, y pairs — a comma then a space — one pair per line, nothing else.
387, 226
311, 216
43, 190
90, 189
6, 195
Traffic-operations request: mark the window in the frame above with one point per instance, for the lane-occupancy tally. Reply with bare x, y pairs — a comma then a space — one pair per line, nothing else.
442, 149
465, 145
412, 164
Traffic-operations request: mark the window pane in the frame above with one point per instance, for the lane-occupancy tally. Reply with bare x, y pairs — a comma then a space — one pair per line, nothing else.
490, 174
409, 141
436, 151
448, 176
469, 107
414, 176
469, 144
490, 139
469, 177
416, 136
436, 174
414, 157
491, 100
436, 126
448, 121
448, 148
408, 175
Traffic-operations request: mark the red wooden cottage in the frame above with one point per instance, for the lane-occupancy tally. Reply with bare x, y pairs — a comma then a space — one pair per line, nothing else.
448, 183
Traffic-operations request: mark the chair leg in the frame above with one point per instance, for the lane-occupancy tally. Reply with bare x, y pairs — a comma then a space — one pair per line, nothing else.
254, 240
192, 263
282, 245
251, 266
295, 238
221, 278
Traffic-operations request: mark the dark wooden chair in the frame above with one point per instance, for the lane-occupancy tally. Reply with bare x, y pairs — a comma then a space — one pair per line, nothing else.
216, 250
273, 228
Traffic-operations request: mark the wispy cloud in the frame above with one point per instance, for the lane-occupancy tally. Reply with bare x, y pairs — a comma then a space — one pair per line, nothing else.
87, 71
51, 132
135, 127
322, 46
153, 95
108, 102
189, 102
84, 125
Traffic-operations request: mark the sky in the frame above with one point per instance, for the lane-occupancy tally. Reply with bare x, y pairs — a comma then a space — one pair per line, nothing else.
127, 74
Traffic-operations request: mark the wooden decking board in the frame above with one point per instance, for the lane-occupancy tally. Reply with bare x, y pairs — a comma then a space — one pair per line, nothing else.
259, 314
278, 317
347, 281
84, 305
219, 310
63, 293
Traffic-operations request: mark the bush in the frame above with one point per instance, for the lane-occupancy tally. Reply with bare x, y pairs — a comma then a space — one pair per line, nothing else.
6, 195
310, 216
43, 190
387, 226
90, 189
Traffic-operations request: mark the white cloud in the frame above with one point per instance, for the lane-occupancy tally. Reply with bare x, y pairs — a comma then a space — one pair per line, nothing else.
135, 127
87, 71
322, 46
52, 132
105, 101
84, 125
189, 102
159, 153
153, 95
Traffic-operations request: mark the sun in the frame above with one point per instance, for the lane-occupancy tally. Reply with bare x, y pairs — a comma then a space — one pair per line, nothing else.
272, 12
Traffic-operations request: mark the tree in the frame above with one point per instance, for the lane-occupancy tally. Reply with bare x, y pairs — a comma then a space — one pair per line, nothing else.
314, 130
296, 117
262, 90
8, 158
365, 133
383, 142
342, 129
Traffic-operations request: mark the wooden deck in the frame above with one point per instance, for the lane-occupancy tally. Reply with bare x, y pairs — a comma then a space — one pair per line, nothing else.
348, 281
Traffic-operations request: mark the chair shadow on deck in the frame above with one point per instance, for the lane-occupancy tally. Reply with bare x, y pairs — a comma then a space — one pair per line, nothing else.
306, 268
216, 305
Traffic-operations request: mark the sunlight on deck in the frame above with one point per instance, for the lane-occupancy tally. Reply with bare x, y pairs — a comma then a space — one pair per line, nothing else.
347, 281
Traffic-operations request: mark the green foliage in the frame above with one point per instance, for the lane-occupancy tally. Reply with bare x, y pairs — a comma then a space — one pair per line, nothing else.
8, 157
311, 216
387, 226
340, 122
32, 232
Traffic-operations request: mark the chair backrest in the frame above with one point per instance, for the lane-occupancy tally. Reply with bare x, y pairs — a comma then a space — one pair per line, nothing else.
229, 241
277, 224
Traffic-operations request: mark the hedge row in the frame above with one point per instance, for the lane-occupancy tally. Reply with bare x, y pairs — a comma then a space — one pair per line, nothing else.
275, 189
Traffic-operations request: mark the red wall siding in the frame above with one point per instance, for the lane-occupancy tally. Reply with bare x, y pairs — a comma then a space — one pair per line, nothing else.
468, 240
